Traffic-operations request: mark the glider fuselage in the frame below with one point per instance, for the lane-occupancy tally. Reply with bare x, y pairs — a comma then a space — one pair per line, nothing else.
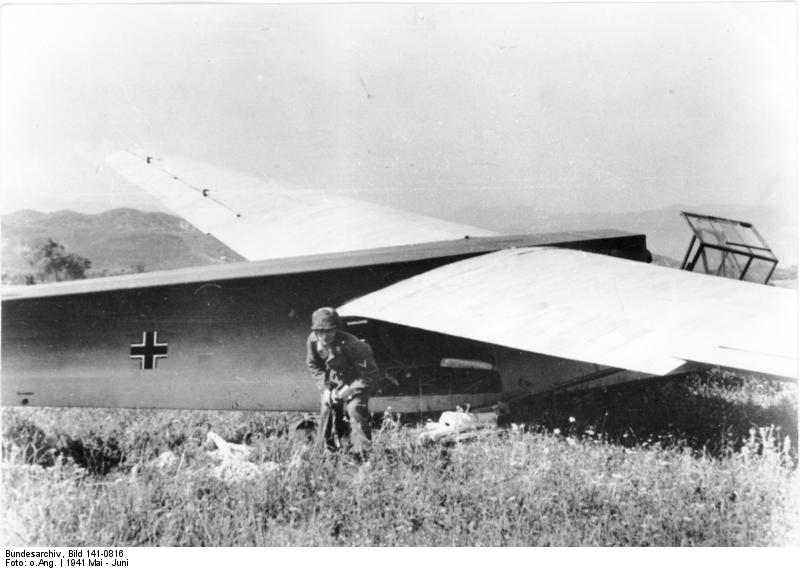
233, 336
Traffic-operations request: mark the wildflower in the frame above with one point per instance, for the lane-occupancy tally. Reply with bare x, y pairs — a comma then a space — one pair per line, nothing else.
556, 431
572, 419
589, 432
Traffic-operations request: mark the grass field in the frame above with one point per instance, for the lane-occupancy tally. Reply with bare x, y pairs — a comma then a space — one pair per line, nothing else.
709, 460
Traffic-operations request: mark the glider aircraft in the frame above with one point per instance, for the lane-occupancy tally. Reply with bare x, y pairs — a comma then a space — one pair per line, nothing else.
456, 315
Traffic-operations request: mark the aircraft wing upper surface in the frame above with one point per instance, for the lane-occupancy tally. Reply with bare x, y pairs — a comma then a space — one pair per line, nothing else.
260, 220
600, 309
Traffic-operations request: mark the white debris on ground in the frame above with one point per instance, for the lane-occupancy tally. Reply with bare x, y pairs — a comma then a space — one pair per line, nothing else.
228, 462
165, 460
460, 426
231, 459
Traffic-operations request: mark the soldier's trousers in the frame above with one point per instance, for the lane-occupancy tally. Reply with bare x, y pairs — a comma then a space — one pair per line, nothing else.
335, 422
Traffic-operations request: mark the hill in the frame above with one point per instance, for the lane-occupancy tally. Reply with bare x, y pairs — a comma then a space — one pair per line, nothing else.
116, 241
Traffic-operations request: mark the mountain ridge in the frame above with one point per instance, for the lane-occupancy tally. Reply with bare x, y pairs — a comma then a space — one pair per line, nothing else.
117, 241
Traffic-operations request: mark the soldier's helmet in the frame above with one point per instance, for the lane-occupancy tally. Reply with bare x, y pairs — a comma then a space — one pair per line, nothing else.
325, 319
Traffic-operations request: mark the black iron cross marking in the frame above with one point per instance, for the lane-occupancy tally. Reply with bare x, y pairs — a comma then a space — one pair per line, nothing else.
148, 351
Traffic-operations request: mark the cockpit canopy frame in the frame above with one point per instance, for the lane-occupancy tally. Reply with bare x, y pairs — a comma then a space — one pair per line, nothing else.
728, 247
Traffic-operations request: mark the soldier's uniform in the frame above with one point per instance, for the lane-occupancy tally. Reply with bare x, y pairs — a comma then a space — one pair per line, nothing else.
345, 366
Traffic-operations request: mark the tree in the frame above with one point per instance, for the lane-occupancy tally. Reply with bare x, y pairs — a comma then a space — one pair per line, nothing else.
51, 262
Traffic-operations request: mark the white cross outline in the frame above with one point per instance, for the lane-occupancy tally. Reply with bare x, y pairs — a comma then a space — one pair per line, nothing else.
144, 344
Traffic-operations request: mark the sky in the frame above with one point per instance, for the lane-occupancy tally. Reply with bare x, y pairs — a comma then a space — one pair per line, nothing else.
564, 107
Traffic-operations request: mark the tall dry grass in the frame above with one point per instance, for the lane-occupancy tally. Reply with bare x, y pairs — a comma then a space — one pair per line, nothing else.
575, 484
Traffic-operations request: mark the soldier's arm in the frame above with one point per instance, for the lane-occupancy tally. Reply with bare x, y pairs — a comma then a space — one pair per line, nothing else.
367, 366
315, 363
368, 374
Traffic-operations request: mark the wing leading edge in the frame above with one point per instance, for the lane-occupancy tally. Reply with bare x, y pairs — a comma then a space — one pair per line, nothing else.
599, 309
261, 220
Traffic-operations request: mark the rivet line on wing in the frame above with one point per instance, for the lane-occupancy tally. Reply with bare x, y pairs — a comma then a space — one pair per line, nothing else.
205, 192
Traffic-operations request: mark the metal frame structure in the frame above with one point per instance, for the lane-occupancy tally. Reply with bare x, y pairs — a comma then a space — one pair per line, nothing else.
731, 238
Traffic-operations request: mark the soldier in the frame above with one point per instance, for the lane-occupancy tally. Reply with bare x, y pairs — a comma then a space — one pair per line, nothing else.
346, 373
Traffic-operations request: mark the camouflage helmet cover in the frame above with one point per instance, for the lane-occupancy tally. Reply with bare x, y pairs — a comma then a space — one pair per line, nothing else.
325, 319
